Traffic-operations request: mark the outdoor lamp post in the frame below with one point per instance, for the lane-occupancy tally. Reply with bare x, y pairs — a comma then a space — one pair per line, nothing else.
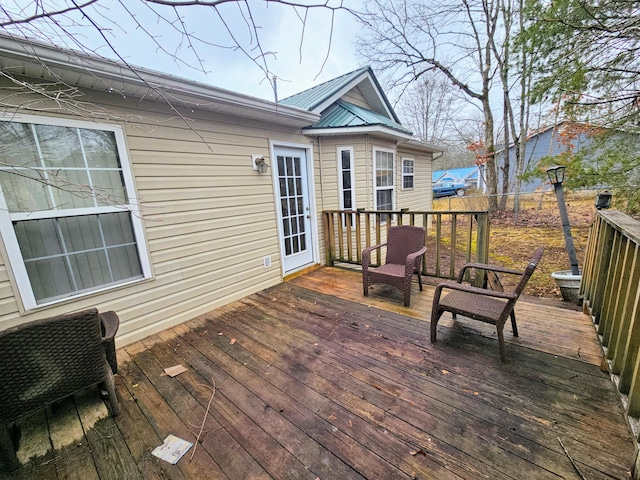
556, 177
603, 200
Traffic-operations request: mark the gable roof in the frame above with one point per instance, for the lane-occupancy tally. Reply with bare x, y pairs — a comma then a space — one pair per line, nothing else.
344, 114
319, 98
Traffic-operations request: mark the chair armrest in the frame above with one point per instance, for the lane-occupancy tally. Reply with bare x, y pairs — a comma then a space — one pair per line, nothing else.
366, 255
410, 262
486, 267
471, 289
110, 323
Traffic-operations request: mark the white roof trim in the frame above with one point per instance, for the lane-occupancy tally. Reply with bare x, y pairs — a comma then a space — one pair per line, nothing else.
404, 140
353, 130
82, 70
423, 146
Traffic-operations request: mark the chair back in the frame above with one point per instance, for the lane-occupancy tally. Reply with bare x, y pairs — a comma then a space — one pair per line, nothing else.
45, 360
403, 240
533, 263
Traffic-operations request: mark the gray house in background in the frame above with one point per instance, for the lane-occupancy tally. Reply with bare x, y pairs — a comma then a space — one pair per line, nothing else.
550, 141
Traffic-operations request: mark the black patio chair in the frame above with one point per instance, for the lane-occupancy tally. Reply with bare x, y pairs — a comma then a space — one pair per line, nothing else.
47, 360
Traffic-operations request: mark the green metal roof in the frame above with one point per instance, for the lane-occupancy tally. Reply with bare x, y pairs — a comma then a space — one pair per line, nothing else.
344, 114
311, 98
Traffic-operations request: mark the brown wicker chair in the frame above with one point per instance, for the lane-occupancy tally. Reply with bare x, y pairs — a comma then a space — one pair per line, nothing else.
47, 360
484, 304
405, 248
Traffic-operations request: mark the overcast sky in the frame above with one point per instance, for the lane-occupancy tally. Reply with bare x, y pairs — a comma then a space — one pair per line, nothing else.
149, 38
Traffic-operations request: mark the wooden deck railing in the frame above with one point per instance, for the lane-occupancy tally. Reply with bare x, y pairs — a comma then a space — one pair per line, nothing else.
452, 238
611, 291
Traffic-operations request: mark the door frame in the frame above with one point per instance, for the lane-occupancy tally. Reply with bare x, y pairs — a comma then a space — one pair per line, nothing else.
314, 237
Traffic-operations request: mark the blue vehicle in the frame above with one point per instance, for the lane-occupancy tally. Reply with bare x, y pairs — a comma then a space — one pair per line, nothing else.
448, 189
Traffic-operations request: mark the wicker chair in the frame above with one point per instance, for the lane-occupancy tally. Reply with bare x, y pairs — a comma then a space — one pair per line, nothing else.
47, 360
405, 248
485, 304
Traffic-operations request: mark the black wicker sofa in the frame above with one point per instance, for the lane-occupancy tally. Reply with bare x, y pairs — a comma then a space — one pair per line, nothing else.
46, 360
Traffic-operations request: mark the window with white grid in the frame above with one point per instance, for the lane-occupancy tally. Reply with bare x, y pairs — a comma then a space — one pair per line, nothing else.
69, 216
384, 182
407, 173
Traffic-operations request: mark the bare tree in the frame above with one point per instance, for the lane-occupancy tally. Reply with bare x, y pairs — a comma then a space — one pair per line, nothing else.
473, 44
412, 37
431, 108
178, 30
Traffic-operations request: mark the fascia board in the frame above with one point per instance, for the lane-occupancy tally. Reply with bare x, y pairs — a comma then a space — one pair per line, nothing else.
118, 76
374, 129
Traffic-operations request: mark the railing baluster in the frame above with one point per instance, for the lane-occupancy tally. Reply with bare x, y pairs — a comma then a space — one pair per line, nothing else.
359, 247
611, 289
438, 242
345, 239
349, 234
630, 280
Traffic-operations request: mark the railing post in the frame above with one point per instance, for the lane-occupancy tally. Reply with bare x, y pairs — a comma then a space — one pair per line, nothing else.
482, 247
454, 233
328, 238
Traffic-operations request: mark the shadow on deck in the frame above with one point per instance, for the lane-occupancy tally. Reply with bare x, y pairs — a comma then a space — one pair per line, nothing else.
312, 380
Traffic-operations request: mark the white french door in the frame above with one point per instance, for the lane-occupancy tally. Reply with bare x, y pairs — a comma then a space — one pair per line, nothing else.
293, 198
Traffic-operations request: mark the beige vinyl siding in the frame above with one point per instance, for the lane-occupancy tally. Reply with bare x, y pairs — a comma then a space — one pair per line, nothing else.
355, 96
328, 151
419, 197
326, 175
209, 219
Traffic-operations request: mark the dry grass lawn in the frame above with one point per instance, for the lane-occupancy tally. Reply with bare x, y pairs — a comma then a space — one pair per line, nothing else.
514, 237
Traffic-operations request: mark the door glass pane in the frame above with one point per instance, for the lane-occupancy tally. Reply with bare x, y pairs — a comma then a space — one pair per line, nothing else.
347, 200
292, 202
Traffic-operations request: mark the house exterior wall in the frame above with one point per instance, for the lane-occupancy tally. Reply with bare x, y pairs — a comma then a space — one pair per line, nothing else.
209, 218
327, 172
419, 198
355, 96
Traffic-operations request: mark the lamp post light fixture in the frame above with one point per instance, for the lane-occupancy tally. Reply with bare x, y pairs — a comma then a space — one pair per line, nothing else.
603, 200
556, 177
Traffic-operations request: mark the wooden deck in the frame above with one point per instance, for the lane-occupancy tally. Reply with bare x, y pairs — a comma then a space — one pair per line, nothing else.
312, 380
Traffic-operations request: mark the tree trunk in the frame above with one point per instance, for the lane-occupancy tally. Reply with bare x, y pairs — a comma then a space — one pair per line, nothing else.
490, 164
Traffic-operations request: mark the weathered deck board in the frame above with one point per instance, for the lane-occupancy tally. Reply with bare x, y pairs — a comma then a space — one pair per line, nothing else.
494, 392
313, 380
544, 325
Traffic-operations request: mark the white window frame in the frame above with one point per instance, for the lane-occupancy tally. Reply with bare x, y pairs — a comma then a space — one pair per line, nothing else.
352, 174
376, 189
407, 175
16, 261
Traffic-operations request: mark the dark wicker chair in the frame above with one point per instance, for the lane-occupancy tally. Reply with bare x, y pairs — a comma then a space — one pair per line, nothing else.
405, 248
484, 304
47, 360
